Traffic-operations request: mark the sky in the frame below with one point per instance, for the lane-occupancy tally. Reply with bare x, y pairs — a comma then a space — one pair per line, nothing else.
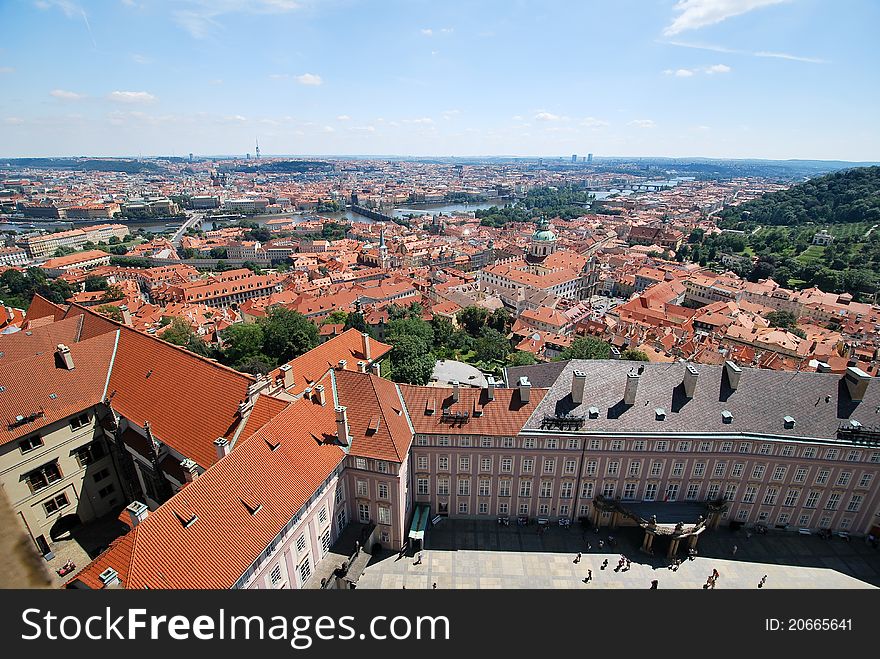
773, 79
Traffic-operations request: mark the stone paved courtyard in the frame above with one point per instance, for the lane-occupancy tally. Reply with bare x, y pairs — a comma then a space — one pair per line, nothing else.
480, 554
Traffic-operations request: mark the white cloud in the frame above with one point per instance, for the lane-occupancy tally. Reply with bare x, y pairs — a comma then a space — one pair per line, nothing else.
329, 129
140, 59
201, 17
420, 120
717, 68
309, 79
343, 117
689, 73
683, 73
643, 123
547, 116
758, 53
366, 129
131, 97
64, 95
795, 58
448, 114
695, 14
592, 122
6, 69
427, 32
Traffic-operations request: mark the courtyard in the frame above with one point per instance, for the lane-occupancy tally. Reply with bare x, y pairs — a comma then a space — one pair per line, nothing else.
482, 554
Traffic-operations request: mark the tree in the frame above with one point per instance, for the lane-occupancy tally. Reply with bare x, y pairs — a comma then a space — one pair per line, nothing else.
781, 319
586, 347
253, 267
409, 327
634, 355
113, 292
472, 319
219, 253
178, 332
94, 283
336, 317
522, 358
443, 330
111, 311
356, 320
242, 342
492, 345
287, 334
411, 361
500, 320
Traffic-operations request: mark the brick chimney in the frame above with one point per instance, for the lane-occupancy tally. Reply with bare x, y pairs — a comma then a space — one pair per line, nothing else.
733, 373
362, 367
632, 385
456, 391
690, 380
190, 470
342, 425
490, 387
578, 382
366, 347
856, 383
320, 394
137, 512
823, 367
376, 368
342, 364
126, 315
525, 389
287, 375
223, 447
63, 358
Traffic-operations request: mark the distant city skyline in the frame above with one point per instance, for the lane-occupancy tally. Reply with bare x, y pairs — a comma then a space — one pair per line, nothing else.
740, 79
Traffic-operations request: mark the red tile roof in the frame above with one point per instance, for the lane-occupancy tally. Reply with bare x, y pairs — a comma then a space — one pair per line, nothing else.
504, 416
368, 398
226, 538
39, 340
40, 307
29, 382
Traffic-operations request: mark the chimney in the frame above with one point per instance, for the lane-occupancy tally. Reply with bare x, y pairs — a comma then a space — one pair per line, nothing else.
223, 447
632, 385
456, 390
287, 375
190, 471
320, 394
126, 315
376, 367
362, 367
366, 338
525, 389
856, 383
109, 577
342, 425
615, 353
690, 380
823, 367
63, 358
578, 382
490, 387
137, 512
733, 372
342, 364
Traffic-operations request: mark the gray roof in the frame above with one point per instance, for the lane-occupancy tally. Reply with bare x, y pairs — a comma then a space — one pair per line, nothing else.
540, 375
758, 405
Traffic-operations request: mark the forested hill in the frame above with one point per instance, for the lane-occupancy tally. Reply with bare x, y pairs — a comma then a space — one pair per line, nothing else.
844, 197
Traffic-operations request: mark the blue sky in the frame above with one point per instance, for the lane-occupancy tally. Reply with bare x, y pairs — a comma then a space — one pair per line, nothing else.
714, 78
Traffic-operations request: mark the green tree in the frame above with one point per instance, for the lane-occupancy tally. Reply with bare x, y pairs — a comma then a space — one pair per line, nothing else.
492, 345
409, 327
336, 317
443, 331
586, 347
500, 320
113, 292
178, 332
634, 355
287, 334
242, 342
781, 319
411, 361
472, 319
522, 358
111, 311
356, 320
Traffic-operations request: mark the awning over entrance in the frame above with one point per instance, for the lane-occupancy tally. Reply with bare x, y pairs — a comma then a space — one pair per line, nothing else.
419, 523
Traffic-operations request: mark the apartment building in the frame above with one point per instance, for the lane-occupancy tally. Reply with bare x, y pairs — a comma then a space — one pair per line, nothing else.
46, 244
221, 290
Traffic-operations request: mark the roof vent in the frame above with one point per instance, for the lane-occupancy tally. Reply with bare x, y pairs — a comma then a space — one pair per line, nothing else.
726, 416
788, 422
660, 413
854, 425
594, 412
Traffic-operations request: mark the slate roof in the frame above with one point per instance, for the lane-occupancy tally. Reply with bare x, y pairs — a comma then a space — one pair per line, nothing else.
758, 405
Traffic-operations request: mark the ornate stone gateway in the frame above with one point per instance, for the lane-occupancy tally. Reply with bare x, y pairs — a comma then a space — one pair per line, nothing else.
665, 519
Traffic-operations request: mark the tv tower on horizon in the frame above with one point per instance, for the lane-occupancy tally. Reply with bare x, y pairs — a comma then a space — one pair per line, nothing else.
257, 152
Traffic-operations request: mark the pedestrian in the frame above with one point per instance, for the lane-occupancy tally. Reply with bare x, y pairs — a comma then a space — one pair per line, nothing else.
734, 550
628, 564
601, 544
653, 585
714, 573
762, 582
589, 575
434, 586
604, 564
419, 559
578, 558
